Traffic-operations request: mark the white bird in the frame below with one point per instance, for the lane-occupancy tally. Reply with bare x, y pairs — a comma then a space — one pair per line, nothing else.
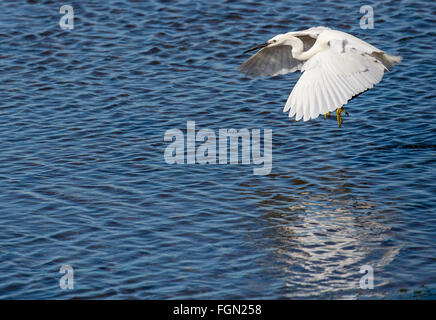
335, 66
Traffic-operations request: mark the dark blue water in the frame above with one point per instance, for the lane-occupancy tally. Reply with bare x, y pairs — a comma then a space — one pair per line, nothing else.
83, 180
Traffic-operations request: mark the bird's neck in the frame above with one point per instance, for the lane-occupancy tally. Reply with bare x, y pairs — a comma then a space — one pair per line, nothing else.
298, 47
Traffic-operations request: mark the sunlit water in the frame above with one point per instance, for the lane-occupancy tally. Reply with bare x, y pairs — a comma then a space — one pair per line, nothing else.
83, 180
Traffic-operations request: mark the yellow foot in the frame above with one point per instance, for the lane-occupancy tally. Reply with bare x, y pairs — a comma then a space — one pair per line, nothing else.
345, 112
338, 116
327, 115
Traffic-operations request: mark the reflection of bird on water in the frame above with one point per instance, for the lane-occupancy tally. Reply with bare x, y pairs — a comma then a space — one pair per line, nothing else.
322, 242
336, 66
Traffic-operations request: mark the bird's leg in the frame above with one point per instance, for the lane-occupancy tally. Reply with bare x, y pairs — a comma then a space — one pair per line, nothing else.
338, 116
327, 115
345, 112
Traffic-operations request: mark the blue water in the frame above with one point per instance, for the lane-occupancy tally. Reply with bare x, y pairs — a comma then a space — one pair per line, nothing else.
84, 182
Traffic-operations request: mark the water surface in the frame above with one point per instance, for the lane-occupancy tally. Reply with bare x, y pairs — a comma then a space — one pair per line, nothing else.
83, 180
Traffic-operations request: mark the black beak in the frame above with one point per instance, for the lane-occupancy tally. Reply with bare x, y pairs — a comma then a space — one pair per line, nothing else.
263, 45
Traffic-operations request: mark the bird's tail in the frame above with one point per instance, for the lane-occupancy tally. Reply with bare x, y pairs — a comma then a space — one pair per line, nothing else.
393, 59
388, 60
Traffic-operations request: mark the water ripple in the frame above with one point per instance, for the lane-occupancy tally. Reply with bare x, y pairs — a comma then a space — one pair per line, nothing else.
83, 180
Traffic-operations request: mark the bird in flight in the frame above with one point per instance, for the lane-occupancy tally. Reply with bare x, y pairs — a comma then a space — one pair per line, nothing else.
335, 66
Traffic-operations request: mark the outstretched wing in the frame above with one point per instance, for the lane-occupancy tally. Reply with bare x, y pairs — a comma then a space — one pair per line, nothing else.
275, 60
271, 61
332, 77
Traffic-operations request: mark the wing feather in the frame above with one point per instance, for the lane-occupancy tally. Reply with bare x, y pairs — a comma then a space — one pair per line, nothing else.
312, 97
330, 79
278, 59
329, 97
271, 61
325, 99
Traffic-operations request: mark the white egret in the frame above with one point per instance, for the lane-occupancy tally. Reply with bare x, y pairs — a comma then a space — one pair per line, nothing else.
335, 66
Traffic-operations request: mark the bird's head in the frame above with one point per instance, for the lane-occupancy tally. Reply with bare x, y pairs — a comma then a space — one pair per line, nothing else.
277, 40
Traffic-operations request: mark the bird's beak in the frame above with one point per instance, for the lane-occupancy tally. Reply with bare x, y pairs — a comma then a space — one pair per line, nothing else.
263, 45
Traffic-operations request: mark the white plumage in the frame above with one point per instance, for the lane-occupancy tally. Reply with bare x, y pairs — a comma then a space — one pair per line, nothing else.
335, 67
